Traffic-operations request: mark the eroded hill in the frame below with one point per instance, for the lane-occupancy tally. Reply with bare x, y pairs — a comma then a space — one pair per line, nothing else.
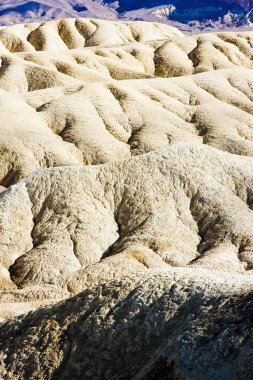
126, 175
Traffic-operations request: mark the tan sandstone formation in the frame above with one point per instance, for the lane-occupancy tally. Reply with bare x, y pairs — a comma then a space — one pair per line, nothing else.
126, 174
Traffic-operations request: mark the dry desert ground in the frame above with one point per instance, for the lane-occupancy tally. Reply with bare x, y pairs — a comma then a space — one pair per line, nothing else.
126, 205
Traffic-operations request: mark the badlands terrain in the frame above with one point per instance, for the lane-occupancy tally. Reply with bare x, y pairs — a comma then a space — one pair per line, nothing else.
126, 205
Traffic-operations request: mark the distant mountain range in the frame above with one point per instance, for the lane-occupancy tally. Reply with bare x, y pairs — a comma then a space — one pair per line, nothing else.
185, 14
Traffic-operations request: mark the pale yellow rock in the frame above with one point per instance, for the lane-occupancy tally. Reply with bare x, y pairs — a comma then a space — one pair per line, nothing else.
77, 33
126, 193
102, 122
79, 105
187, 205
204, 52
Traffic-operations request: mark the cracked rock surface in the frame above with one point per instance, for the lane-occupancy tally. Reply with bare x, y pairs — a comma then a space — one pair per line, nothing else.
126, 202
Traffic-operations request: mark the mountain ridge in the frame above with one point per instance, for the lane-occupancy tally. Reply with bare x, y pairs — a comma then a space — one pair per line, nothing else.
191, 15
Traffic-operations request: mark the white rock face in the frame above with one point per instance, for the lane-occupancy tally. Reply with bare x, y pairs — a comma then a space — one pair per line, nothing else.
126, 192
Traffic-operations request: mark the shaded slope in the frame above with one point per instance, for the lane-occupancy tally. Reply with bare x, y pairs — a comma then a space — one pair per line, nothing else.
170, 325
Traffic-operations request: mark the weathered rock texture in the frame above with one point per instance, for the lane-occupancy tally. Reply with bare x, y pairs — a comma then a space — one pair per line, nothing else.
157, 325
151, 251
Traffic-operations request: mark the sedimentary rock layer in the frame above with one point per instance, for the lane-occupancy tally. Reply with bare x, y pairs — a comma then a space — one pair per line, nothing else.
126, 175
